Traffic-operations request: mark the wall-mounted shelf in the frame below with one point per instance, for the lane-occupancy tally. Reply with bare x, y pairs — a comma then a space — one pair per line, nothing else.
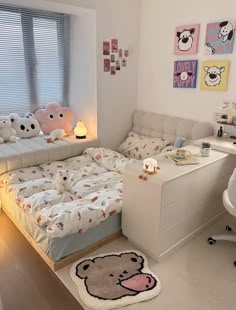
226, 124
226, 139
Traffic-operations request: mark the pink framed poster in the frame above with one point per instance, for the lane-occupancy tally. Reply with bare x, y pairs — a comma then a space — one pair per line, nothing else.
186, 39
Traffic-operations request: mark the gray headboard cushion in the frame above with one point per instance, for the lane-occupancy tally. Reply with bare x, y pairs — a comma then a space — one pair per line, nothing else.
170, 127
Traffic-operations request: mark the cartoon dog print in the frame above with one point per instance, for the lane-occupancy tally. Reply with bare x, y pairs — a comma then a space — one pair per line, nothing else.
184, 75
113, 276
226, 31
213, 76
210, 50
185, 39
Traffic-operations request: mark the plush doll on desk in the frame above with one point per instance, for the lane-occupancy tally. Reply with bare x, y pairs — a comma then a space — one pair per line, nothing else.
149, 168
7, 133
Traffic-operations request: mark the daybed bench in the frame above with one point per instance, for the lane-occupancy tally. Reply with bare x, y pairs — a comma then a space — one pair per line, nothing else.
60, 250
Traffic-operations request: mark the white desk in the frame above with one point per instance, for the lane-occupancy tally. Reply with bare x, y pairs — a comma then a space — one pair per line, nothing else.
170, 207
219, 144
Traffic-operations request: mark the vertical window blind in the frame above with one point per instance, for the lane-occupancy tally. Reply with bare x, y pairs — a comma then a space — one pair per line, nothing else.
34, 59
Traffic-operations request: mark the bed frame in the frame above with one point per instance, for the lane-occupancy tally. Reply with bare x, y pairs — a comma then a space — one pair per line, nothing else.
56, 265
34, 151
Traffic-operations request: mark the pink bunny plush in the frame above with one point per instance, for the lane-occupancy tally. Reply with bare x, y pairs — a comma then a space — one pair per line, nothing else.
55, 117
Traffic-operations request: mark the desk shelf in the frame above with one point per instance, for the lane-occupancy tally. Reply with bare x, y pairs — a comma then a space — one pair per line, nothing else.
226, 124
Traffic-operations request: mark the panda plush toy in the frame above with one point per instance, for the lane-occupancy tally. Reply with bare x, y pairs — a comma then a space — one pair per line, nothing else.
25, 127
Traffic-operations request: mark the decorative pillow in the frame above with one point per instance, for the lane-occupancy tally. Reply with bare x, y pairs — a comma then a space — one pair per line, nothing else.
140, 147
25, 127
55, 117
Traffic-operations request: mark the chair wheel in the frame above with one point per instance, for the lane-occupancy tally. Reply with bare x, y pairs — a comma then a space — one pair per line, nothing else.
228, 228
235, 264
211, 241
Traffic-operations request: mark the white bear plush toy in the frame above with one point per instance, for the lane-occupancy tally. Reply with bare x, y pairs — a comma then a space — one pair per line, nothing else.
62, 181
56, 134
25, 127
7, 133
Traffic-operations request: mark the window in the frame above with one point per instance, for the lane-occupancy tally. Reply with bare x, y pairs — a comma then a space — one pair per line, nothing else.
34, 59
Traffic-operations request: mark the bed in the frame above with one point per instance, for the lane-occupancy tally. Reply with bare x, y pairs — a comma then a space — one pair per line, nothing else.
62, 229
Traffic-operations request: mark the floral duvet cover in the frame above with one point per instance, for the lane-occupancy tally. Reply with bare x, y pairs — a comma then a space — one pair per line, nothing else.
96, 191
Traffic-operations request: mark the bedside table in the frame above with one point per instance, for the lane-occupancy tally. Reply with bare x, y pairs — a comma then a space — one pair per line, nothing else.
169, 208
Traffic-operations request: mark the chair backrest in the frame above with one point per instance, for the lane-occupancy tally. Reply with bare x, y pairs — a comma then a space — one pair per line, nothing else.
232, 189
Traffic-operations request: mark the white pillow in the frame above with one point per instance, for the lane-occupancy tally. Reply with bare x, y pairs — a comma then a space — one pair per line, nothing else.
140, 147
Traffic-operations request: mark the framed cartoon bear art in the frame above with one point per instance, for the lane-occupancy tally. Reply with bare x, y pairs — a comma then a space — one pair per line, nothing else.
214, 75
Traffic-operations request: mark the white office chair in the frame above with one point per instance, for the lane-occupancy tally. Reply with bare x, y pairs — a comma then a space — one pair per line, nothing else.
229, 201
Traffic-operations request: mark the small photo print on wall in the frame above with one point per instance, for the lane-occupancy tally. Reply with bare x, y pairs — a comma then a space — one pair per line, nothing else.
113, 58
214, 75
185, 74
124, 62
114, 45
113, 70
220, 38
107, 65
126, 53
118, 64
186, 39
106, 48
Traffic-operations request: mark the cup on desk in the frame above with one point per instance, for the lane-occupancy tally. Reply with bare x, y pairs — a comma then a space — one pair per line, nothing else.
182, 154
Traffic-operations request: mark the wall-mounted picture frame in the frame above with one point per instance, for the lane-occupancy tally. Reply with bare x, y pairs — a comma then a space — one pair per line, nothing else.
220, 37
106, 48
214, 75
107, 65
185, 74
186, 39
114, 46
113, 70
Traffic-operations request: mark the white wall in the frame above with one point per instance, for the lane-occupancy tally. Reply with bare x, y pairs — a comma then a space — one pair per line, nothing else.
116, 95
155, 91
83, 70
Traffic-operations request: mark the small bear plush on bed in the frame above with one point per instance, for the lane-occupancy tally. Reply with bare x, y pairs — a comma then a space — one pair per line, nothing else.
62, 181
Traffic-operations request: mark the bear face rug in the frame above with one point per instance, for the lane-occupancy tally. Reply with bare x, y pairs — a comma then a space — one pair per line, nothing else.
114, 280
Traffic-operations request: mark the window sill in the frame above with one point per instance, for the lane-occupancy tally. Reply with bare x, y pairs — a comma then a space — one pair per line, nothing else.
35, 151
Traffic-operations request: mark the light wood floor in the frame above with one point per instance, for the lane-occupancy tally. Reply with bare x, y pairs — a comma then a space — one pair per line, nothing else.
26, 282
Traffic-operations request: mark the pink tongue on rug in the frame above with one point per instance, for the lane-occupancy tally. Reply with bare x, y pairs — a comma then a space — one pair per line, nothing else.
139, 282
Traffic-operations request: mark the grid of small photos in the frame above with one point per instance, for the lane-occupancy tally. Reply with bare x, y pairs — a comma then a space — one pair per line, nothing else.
213, 73
115, 57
